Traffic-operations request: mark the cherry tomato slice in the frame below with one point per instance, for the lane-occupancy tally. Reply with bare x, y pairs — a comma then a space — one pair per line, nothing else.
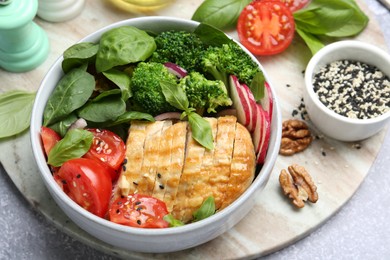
266, 27
107, 147
295, 5
139, 211
49, 138
87, 183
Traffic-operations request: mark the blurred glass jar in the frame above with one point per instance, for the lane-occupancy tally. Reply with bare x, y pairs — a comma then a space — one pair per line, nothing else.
141, 5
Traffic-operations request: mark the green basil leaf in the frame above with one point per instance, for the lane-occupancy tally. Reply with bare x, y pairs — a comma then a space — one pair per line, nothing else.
334, 18
62, 126
78, 54
311, 41
15, 112
71, 92
123, 45
210, 35
201, 130
106, 109
206, 210
122, 80
221, 14
75, 144
174, 95
172, 221
131, 115
257, 85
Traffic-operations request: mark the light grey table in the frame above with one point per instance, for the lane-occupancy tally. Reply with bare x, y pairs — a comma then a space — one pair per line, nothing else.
360, 230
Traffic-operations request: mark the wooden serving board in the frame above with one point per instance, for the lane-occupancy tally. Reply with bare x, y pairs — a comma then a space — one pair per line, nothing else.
337, 168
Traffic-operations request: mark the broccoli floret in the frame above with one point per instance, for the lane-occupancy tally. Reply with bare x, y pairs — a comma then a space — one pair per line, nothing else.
145, 85
182, 48
229, 59
204, 94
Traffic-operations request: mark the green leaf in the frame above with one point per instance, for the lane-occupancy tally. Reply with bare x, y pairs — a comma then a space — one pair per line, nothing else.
210, 35
105, 109
15, 112
71, 92
311, 41
172, 221
174, 95
129, 116
201, 130
61, 127
75, 144
221, 14
123, 45
257, 86
107, 93
122, 80
206, 210
79, 54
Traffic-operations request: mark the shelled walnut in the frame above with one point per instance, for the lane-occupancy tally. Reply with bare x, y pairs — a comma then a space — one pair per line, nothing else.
298, 185
296, 137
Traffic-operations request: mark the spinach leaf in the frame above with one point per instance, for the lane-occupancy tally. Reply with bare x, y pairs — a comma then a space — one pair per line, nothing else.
210, 35
257, 85
107, 93
172, 221
75, 144
200, 127
123, 45
122, 80
131, 115
61, 127
221, 14
105, 109
79, 54
71, 92
206, 210
15, 112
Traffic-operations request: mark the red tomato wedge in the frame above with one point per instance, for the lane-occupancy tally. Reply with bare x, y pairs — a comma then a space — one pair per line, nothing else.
49, 138
139, 211
107, 147
87, 183
266, 27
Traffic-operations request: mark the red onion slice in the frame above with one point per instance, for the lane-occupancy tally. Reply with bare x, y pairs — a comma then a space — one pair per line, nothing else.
175, 69
168, 115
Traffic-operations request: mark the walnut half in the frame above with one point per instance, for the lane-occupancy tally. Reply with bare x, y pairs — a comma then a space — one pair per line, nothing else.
298, 185
296, 137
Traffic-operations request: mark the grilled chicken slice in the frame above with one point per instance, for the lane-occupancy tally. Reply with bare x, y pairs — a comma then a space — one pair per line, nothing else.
163, 160
220, 172
134, 158
242, 166
145, 182
175, 169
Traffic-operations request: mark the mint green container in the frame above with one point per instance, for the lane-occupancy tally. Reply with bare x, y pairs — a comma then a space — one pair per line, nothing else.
23, 44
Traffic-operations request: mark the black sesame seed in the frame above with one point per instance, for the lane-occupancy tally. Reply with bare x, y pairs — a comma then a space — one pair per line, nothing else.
118, 211
135, 183
139, 222
159, 175
124, 168
63, 181
78, 176
323, 153
161, 186
137, 202
288, 85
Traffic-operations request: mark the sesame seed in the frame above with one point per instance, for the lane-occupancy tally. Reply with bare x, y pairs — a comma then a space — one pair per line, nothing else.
353, 89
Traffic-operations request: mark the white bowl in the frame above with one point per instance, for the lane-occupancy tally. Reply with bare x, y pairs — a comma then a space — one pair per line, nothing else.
137, 239
326, 120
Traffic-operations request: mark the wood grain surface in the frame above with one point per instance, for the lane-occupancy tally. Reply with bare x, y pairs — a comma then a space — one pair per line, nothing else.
337, 168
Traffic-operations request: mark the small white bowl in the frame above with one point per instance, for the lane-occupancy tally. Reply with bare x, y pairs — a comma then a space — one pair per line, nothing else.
326, 120
138, 239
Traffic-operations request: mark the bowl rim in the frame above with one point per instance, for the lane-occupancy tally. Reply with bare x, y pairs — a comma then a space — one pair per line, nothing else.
36, 123
338, 47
